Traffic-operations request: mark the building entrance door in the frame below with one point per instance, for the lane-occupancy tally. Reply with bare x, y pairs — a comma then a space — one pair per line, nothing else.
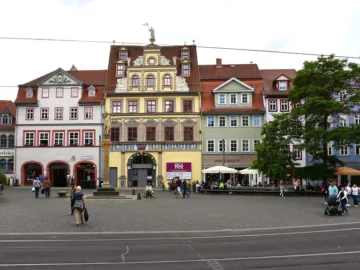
141, 171
58, 172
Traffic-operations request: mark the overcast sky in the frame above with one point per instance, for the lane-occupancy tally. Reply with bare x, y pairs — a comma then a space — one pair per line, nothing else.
312, 26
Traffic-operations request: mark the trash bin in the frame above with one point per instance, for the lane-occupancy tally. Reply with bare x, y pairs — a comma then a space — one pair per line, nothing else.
11, 181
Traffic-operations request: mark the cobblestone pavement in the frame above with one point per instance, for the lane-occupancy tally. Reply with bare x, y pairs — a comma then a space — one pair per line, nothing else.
20, 212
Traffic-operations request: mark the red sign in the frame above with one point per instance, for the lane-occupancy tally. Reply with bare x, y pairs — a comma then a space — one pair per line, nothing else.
178, 169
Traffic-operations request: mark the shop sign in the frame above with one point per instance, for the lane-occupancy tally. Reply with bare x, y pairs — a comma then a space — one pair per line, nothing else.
5, 152
178, 169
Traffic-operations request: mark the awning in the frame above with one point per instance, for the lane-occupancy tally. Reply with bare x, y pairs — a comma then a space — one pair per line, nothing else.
249, 171
347, 171
219, 169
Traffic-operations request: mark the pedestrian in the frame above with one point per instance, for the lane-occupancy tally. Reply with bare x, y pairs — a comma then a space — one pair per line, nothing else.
37, 185
333, 190
72, 201
355, 194
324, 190
79, 206
343, 200
281, 188
46, 186
184, 189
348, 191
297, 187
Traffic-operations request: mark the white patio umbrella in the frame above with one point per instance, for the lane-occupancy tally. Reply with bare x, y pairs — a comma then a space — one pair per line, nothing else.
219, 169
249, 171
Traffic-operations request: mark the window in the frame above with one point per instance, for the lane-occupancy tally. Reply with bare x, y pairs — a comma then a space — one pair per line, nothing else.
233, 99
256, 142
330, 149
150, 81
169, 133
29, 138
75, 92
115, 134
116, 106
357, 119
233, 121
44, 113
244, 98
29, 93
256, 120
74, 138
29, 114
283, 85
132, 134
222, 121
273, 105
150, 133
3, 141
151, 106
211, 121
91, 91
44, 138
222, 99
119, 70
167, 80
185, 54
123, 55
284, 106
188, 134
187, 106
73, 113
169, 106
245, 147
343, 121
357, 149
132, 106
344, 150
11, 141
210, 146
58, 113
59, 92
186, 70
297, 153
233, 145
342, 95
245, 121
58, 138
222, 145
45, 93
135, 81
88, 113
89, 137
6, 119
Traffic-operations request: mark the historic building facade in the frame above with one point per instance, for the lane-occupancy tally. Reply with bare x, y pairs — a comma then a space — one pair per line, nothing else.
233, 114
7, 137
58, 126
277, 84
153, 97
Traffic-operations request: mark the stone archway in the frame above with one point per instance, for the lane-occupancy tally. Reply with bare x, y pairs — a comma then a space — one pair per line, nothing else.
85, 174
30, 170
141, 170
57, 171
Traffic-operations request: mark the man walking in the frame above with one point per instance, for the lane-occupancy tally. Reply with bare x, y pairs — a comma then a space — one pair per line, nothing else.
72, 200
184, 188
37, 185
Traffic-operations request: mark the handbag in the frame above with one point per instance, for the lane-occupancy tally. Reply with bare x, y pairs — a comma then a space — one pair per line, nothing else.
86, 214
43, 191
33, 189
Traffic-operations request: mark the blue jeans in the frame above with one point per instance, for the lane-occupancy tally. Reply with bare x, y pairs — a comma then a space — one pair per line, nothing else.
355, 198
185, 193
37, 189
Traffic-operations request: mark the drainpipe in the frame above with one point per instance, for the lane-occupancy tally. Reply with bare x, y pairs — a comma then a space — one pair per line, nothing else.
15, 149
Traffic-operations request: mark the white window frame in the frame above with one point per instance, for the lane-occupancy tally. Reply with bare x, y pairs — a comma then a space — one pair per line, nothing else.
275, 103
219, 99
346, 152
77, 139
357, 119
44, 112
74, 113
59, 140
282, 87
342, 95
120, 70
330, 149
236, 99
74, 92
207, 146
242, 145
284, 103
89, 137
343, 121
248, 120
8, 119
230, 145
247, 99
253, 122
88, 113
207, 121
44, 134
59, 110
297, 153
30, 140
236, 118
254, 145
219, 118
31, 112
45, 93
219, 144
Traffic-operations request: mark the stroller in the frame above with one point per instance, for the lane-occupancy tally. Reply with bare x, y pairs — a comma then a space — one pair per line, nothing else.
333, 206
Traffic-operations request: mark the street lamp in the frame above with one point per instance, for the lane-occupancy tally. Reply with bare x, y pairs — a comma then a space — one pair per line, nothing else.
223, 151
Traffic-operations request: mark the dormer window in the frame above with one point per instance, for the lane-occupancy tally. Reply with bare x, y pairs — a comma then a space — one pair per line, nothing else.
120, 70
282, 85
91, 91
186, 69
29, 93
185, 55
123, 55
6, 119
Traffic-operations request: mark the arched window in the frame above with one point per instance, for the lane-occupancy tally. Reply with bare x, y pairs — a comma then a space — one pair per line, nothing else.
10, 166
3, 141
150, 81
11, 141
135, 81
2, 165
167, 80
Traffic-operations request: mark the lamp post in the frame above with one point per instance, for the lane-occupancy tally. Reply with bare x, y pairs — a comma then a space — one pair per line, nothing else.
223, 156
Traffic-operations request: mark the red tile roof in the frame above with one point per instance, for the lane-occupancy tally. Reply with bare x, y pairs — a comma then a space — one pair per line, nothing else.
169, 52
270, 75
242, 71
8, 104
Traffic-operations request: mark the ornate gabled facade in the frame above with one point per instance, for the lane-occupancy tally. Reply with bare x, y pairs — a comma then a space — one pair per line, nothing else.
59, 123
7, 137
153, 97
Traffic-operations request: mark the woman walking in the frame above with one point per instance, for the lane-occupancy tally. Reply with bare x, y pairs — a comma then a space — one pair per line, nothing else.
343, 200
79, 206
355, 194
46, 186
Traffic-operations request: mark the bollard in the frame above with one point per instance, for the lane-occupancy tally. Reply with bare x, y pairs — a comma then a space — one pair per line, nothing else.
133, 192
139, 196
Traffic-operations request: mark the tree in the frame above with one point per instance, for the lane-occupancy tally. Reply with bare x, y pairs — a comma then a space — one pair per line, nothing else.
2, 178
274, 158
325, 91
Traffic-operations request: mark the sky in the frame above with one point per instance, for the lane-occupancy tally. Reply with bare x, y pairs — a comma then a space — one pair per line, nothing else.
309, 26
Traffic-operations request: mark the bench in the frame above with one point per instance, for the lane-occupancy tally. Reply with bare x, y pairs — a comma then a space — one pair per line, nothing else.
244, 190
62, 194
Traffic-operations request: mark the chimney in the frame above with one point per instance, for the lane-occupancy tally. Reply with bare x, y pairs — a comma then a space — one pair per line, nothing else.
218, 62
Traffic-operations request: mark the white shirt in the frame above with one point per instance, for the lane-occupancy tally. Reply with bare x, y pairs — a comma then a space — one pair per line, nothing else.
348, 189
148, 188
355, 191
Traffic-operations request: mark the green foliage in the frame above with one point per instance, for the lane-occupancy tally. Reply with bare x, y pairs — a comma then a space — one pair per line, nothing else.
2, 178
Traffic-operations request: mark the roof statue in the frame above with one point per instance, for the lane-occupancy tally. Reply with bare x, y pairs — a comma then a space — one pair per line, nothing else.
152, 35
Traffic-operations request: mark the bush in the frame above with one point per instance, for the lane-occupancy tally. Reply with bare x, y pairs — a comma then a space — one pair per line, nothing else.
2, 178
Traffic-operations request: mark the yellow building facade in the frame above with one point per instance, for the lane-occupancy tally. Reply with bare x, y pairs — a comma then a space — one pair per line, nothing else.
153, 97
